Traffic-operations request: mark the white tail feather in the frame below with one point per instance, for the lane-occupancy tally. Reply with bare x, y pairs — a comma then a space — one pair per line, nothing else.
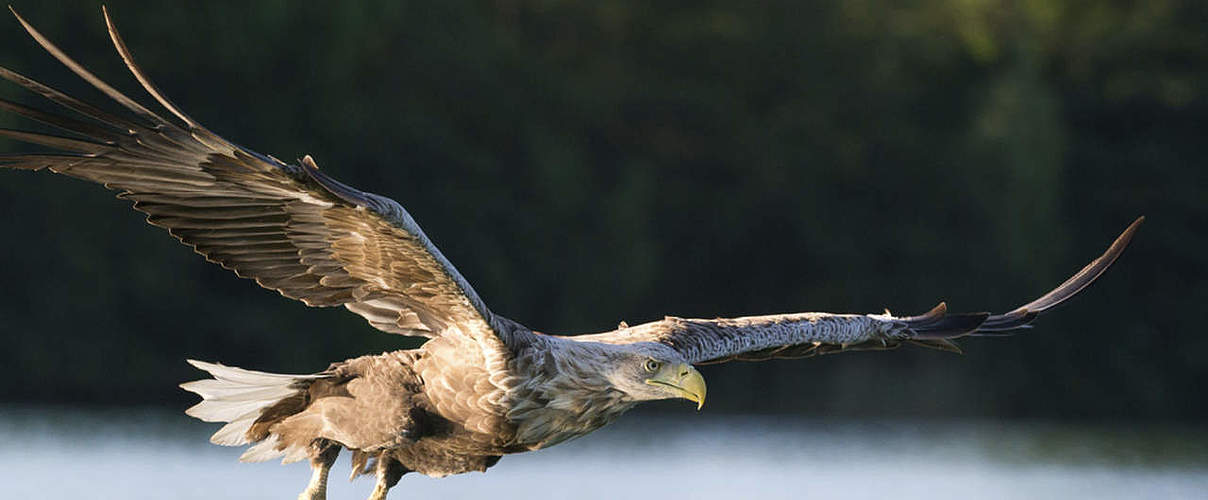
221, 410
221, 389
234, 433
238, 396
295, 454
263, 451
246, 377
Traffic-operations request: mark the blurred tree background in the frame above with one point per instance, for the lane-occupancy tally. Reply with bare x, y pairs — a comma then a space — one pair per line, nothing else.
589, 162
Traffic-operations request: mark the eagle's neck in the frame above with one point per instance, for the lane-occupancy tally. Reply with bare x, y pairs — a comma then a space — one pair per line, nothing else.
567, 393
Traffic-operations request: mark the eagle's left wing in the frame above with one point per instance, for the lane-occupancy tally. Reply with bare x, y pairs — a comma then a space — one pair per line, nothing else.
801, 335
291, 228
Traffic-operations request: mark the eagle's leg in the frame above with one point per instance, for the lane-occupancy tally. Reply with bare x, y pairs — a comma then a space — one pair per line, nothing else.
323, 453
389, 471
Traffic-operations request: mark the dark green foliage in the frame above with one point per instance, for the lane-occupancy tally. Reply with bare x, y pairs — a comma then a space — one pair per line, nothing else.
589, 162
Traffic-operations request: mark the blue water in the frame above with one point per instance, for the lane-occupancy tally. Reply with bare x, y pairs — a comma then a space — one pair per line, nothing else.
61, 453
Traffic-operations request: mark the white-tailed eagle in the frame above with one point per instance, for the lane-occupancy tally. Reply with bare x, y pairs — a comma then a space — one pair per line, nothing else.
481, 386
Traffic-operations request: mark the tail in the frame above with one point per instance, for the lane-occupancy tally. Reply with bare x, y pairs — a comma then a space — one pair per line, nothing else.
250, 402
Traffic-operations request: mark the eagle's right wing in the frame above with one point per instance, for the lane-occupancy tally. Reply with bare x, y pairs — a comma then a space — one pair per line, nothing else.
800, 335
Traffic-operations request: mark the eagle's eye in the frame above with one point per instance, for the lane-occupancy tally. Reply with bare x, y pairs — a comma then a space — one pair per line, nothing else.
652, 365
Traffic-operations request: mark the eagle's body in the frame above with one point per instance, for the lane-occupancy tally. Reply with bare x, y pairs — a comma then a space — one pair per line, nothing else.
482, 386
423, 408
377, 406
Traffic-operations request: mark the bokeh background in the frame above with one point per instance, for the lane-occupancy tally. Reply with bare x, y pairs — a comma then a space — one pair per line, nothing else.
584, 163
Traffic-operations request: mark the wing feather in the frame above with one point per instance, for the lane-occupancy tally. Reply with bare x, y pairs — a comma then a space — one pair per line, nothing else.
799, 335
291, 228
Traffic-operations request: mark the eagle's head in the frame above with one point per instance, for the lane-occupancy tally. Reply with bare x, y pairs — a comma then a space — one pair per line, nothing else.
647, 371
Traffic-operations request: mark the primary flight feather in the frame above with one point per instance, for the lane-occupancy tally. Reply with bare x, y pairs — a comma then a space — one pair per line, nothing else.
482, 386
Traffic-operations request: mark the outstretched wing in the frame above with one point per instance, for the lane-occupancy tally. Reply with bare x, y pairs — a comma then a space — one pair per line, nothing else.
801, 335
291, 228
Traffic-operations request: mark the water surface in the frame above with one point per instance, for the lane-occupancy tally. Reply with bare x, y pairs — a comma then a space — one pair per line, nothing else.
62, 453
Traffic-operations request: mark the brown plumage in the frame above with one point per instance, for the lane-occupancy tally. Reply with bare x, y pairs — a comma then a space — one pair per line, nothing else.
482, 386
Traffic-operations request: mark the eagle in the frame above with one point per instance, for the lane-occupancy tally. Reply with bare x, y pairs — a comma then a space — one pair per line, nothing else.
481, 386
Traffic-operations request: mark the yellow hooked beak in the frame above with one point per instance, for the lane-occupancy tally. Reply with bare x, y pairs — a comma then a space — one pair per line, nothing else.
684, 380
